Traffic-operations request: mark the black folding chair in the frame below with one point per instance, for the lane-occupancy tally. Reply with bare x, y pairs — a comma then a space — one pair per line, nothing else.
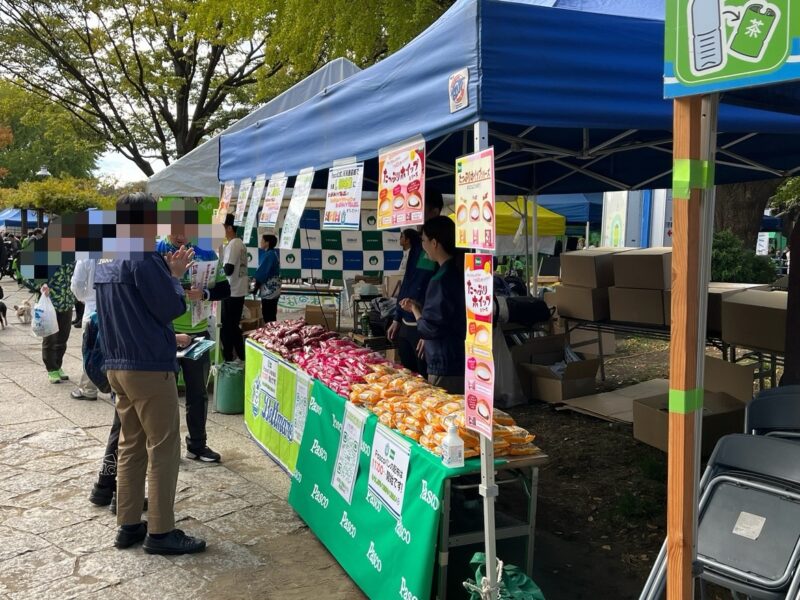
774, 412
748, 536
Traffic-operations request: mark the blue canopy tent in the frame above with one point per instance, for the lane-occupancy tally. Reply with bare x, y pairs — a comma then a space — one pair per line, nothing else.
572, 91
11, 218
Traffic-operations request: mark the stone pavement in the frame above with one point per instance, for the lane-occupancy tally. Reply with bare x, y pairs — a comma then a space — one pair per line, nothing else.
54, 544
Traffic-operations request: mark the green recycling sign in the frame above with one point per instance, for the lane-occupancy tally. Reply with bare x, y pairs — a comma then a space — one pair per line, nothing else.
716, 45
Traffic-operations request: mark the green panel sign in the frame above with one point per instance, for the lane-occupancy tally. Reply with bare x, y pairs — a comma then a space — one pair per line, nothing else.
270, 416
386, 557
716, 45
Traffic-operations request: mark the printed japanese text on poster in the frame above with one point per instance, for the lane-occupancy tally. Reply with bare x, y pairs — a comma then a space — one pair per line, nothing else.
241, 203
343, 199
272, 200
269, 376
388, 469
479, 372
225, 201
475, 209
401, 187
345, 468
302, 392
302, 188
252, 211
202, 274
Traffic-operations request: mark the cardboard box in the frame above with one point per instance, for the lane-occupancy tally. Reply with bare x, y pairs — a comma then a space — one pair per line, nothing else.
589, 304
629, 305
591, 268
533, 360
716, 292
667, 294
728, 388
250, 324
253, 309
391, 285
317, 315
644, 268
755, 319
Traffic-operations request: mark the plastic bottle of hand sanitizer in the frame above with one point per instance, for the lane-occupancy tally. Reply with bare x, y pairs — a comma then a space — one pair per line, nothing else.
452, 448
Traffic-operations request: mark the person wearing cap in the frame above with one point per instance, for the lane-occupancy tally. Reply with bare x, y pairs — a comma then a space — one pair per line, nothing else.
234, 263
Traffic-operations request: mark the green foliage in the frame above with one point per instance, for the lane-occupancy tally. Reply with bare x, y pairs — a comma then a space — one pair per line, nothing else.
56, 195
732, 262
787, 199
39, 133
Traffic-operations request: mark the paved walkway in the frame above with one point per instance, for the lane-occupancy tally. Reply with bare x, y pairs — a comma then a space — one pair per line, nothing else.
54, 544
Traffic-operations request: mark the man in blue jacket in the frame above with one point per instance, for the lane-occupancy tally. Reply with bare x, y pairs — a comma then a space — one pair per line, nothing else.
137, 301
419, 270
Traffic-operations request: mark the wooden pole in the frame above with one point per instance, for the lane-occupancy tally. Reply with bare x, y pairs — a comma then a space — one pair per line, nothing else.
693, 200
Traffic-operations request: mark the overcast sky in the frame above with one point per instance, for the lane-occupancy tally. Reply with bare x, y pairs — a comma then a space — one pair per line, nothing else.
115, 165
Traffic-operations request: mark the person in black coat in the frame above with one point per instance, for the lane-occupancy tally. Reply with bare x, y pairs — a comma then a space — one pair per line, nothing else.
442, 319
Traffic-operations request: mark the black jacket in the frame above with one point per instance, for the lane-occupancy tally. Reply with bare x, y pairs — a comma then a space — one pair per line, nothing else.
443, 324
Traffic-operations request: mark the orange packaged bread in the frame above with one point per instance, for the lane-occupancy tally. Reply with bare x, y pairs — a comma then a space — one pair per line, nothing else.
503, 418
449, 408
518, 435
523, 450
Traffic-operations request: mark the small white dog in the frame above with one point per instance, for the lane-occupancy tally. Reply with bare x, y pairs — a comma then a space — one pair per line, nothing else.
23, 312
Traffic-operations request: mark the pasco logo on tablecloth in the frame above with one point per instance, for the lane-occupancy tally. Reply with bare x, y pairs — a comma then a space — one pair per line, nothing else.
348, 525
319, 451
428, 497
319, 497
366, 448
374, 502
337, 424
314, 407
401, 532
297, 476
405, 593
373, 558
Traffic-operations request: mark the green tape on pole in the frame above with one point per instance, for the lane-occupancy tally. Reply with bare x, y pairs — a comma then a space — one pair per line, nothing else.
690, 174
685, 401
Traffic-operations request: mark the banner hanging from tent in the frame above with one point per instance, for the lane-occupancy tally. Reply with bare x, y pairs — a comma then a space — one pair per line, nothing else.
343, 199
401, 184
475, 201
302, 188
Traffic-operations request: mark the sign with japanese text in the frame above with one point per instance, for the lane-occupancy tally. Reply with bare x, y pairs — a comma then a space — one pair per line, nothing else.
202, 273
401, 186
716, 45
479, 389
343, 198
272, 200
241, 203
269, 375
225, 201
479, 365
388, 469
475, 201
345, 468
252, 211
291, 223
302, 392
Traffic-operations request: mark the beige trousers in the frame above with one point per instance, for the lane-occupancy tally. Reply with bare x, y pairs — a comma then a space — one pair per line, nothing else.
147, 403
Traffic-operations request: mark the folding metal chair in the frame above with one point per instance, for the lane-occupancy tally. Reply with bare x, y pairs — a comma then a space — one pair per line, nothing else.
775, 412
748, 536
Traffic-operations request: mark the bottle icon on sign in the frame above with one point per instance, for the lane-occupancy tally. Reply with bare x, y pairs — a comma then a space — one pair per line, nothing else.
707, 51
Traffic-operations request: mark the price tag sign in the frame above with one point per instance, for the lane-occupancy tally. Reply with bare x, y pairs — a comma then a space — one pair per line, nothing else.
343, 199
388, 469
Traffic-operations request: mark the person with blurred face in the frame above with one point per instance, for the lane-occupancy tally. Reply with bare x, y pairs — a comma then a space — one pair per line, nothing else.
268, 278
235, 266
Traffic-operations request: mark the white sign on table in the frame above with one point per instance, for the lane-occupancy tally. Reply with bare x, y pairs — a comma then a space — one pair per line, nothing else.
345, 468
269, 376
302, 188
302, 391
388, 469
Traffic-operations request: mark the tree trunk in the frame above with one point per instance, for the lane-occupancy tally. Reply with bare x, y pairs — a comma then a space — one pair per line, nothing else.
40, 218
740, 206
791, 369
23, 219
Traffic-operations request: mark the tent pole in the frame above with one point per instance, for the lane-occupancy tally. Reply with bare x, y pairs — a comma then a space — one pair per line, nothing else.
488, 488
586, 236
694, 129
535, 248
527, 245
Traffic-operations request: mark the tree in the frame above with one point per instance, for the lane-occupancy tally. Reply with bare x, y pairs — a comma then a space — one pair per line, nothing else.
154, 79
738, 208
57, 196
732, 261
36, 133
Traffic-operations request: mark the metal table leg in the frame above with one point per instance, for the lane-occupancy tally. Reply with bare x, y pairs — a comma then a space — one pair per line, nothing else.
444, 543
534, 494
600, 350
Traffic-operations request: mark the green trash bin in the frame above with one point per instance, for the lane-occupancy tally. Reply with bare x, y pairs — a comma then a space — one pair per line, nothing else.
230, 389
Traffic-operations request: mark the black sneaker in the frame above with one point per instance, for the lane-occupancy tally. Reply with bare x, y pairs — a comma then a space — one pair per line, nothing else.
175, 542
126, 539
204, 455
101, 495
113, 507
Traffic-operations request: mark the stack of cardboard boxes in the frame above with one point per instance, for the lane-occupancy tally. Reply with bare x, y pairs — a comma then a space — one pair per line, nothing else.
586, 276
642, 281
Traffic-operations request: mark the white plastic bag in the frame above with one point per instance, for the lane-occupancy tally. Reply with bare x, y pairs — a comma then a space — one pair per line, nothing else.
44, 321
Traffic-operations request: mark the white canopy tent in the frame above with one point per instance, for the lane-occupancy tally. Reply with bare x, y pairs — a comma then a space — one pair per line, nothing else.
195, 174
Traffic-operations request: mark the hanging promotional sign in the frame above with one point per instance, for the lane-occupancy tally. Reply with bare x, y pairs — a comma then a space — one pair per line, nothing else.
225, 201
302, 188
252, 211
716, 45
343, 199
479, 371
475, 201
241, 204
345, 468
273, 200
388, 469
401, 185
